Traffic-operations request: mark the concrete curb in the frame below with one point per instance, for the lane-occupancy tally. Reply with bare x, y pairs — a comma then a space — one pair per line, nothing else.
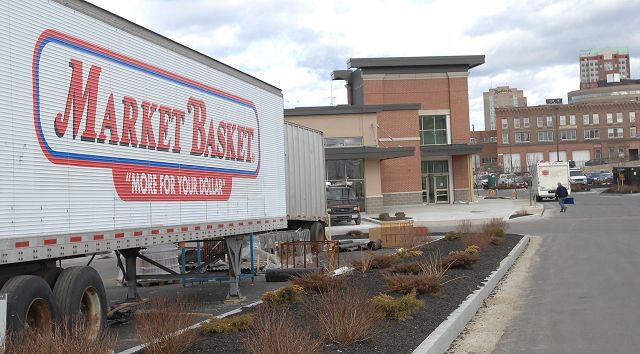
441, 338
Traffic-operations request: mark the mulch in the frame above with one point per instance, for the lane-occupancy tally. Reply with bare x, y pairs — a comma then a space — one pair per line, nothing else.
395, 336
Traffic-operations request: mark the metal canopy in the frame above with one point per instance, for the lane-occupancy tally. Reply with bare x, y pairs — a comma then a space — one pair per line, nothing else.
365, 152
449, 150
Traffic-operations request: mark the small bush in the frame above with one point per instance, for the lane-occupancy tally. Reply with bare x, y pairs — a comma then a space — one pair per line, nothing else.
344, 316
473, 249
460, 259
160, 323
478, 239
276, 330
288, 294
495, 240
238, 323
400, 215
378, 261
318, 282
495, 227
354, 233
422, 283
464, 227
406, 268
384, 217
401, 308
403, 253
453, 235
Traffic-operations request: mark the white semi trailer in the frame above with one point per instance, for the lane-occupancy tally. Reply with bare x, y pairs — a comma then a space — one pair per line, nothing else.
116, 139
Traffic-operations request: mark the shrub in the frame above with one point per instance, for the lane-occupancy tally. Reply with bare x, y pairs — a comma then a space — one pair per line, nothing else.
378, 261
60, 340
401, 308
345, 316
384, 217
403, 253
318, 282
406, 268
288, 294
400, 215
495, 227
473, 249
275, 330
422, 283
238, 323
495, 240
460, 259
452, 236
160, 323
478, 239
464, 227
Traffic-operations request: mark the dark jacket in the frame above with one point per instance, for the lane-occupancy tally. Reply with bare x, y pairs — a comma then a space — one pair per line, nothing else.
561, 192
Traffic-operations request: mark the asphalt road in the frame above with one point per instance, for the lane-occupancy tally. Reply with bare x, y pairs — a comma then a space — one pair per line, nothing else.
584, 289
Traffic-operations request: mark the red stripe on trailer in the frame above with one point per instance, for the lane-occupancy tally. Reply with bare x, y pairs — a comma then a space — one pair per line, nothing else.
20, 244
184, 229
197, 228
220, 226
209, 227
51, 241
281, 219
170, 230
250, 222
231, 225
120, 235
137, 233
98, 237
240, 223
266, 221
155, 232
75, 239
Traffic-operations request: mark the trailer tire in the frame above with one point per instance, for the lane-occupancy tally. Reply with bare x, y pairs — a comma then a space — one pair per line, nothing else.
317, 232
30, 304
80, 295
50, 275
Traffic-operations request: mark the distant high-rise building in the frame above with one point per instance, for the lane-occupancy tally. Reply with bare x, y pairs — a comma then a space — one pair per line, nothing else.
500, 97
597, 63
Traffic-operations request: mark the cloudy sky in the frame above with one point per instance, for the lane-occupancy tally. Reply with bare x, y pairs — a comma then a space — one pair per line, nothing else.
294, 45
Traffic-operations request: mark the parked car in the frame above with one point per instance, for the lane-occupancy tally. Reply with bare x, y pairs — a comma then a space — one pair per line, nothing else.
594, 163
520, 183
576, 176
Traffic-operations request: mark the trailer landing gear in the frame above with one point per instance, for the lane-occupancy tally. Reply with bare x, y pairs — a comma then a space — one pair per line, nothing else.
234, 250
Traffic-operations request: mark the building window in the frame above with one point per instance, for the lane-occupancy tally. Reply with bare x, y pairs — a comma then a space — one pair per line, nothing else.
505, 123
632, 132
609, 118
545, 136
563, 120
632, 117
540, 122
612, 153
342, 142
516, 123
585, 119
525, 123
619, 117
597, 153
621, 152
568, 134
549, 121
572, 119
596, 119
505, 138
433, 130
615, 133
591, 134
522, 138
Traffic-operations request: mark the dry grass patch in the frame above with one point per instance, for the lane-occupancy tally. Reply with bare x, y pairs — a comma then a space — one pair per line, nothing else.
378, 261
319, 282
405, 253
460, 259
478, 239
453, 235
406, 268
400, 308
160, 323
237, 323
345, 316
464, 227
60, 340
285, 295
495, 227
406, 283
276, 331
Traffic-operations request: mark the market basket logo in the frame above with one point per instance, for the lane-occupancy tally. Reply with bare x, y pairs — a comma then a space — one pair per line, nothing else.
165, 137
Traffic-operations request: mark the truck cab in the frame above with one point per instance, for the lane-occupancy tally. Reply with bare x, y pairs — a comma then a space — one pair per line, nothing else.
342, 204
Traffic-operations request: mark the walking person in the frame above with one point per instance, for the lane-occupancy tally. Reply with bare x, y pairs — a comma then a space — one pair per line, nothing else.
562, 194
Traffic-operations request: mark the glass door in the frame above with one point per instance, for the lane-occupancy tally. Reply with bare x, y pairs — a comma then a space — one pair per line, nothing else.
441, 188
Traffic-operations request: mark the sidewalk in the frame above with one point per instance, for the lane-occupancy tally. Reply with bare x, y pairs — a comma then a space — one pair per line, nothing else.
448, 214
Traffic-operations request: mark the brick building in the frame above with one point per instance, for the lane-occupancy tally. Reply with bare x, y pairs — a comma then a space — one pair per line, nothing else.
499, 97
487, 159
597, 63
600, 131
433, 123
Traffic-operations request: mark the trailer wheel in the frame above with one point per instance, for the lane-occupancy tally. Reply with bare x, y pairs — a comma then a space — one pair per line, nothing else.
317, 232
80, 296
30, 304
50, 275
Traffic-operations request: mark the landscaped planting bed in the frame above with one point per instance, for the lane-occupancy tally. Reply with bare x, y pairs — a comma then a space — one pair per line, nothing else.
386, 335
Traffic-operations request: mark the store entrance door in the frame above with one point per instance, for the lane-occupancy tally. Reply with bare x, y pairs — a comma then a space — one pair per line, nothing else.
435, 188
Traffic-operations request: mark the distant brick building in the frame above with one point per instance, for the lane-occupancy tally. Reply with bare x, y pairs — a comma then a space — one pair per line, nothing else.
578, 132
500, 97
597, 63
487, 159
